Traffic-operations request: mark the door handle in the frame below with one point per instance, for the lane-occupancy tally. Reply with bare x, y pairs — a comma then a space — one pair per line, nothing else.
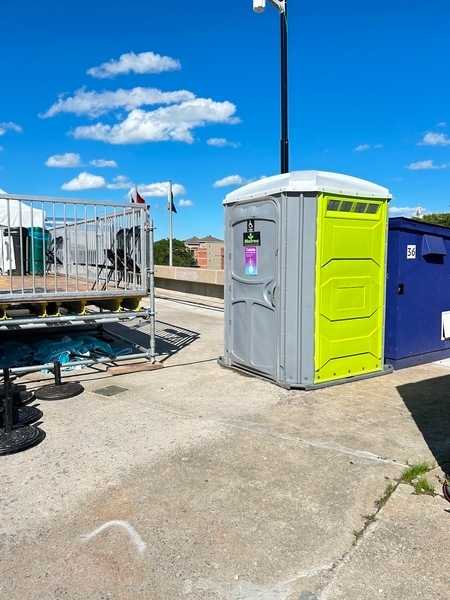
272, 296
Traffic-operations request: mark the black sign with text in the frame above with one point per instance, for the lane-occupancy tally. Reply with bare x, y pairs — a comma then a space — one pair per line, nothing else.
252, 238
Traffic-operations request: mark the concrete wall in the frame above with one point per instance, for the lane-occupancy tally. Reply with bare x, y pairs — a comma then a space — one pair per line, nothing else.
189, 283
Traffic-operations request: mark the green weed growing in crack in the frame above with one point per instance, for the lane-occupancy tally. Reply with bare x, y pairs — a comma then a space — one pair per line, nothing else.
385, 497
358, 535
413, 471
371, 518
413, 475
422, 486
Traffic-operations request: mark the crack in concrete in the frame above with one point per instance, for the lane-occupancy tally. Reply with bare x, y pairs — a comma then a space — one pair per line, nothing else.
254, 428
344, 560
277, 593
347, 556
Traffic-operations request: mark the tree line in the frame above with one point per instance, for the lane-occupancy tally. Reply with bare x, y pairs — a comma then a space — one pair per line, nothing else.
436, 219
181, 255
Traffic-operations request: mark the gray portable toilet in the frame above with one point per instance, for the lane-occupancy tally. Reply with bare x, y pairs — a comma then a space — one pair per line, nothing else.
305, 269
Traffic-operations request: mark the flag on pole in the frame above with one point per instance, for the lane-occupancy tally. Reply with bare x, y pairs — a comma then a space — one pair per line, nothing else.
171, 206
139, 198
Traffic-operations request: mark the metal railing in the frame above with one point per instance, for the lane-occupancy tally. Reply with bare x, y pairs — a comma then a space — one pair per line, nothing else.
60, 248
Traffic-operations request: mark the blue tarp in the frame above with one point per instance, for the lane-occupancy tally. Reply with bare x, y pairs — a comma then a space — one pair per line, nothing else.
68, 349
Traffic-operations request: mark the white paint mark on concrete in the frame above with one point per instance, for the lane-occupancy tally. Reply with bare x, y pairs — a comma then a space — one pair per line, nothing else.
135, 538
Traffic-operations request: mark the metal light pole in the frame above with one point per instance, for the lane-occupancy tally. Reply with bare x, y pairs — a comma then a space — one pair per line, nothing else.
281, 6
169, 206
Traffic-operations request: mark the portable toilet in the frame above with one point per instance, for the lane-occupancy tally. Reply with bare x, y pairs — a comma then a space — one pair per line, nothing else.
305, 269
417, 293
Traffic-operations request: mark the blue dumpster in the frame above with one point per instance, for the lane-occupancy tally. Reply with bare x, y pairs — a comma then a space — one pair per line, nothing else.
417, 326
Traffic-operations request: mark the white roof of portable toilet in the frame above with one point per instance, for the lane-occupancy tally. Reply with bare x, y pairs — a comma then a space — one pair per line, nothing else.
20, 214
308, 181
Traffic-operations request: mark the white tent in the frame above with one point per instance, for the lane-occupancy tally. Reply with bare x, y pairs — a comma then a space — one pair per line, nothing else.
16, 213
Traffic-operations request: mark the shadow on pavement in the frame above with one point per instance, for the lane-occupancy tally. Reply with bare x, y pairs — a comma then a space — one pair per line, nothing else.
428, 402
170, 338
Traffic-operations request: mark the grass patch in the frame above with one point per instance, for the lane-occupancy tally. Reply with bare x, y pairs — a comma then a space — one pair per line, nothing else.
358, 535
413, 475
369, 519
413, 472
422, 486
385, 497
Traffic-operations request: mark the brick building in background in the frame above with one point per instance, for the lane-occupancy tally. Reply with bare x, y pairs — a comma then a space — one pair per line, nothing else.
208, 251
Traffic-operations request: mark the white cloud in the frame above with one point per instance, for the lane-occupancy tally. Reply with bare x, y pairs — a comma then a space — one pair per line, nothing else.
406, 211
160, 189
1, 148
442, 124
70, 159
230, 180
362, 147
100, 162
119, 183
10, 125
173, 123
84, 181
87, 181
435, 139
94, 104
378, 146
220, 142
425, 164
145, 62
185, 203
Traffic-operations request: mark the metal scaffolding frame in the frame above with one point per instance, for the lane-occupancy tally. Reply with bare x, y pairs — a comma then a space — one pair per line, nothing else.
69, 262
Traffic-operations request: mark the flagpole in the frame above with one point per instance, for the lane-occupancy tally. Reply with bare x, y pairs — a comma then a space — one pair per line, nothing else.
169, 199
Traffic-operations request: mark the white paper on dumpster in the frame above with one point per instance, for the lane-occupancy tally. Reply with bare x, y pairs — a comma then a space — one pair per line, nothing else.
446, 325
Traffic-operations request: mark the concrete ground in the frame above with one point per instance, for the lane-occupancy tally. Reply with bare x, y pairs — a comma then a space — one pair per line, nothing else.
194, 481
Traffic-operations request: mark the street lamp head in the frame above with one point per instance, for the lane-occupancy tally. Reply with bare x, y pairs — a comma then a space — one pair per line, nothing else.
259, 6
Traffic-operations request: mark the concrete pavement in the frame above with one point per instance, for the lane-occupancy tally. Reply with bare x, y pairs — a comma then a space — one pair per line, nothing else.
198, 482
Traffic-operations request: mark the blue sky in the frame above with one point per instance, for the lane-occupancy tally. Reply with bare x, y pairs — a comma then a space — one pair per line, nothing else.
99, 96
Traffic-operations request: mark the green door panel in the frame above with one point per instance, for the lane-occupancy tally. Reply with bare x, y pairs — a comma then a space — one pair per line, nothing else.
350, 271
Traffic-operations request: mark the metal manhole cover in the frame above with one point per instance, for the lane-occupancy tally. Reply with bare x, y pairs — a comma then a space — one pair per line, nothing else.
111, 390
